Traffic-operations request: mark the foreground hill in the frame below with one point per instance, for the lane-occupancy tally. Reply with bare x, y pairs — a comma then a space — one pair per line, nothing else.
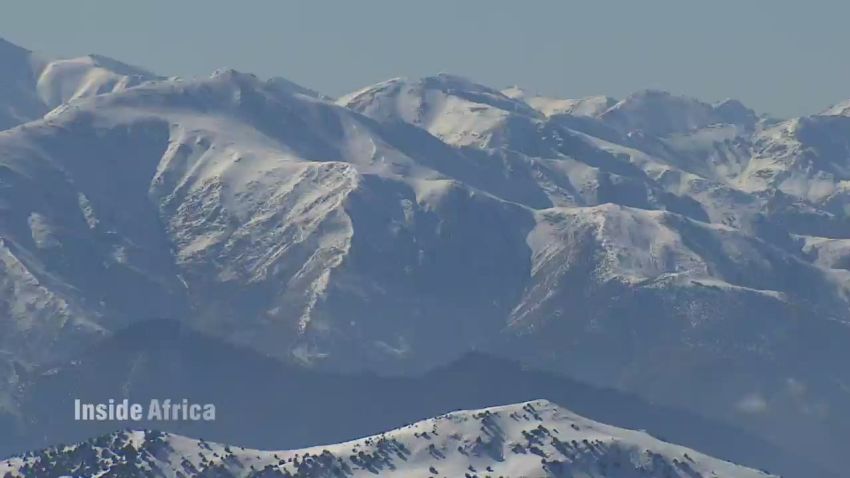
265, 404
535, 439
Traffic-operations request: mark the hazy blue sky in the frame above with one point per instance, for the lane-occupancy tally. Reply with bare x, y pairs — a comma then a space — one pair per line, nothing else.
782, 57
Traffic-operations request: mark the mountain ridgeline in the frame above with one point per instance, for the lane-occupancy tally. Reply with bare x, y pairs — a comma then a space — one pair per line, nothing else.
533, 439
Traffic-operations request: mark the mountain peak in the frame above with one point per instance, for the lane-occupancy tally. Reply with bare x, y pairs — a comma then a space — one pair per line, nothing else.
281, 84
591, 106
233, 74
735, 112
839, 109
516, 92
454, 81
651, 97
661, 113
119, 67
443, 104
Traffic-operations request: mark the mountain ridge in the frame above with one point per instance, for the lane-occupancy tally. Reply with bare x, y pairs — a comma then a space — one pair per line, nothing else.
529, 439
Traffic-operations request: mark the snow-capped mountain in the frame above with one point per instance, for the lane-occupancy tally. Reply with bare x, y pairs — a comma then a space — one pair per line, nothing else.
534, 440
687, 252
643, 234
592, 106
807, 158
840, 109
33, 84
454, 109
658, 113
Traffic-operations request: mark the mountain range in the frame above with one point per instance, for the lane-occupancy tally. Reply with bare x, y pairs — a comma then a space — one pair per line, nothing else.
694, 255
